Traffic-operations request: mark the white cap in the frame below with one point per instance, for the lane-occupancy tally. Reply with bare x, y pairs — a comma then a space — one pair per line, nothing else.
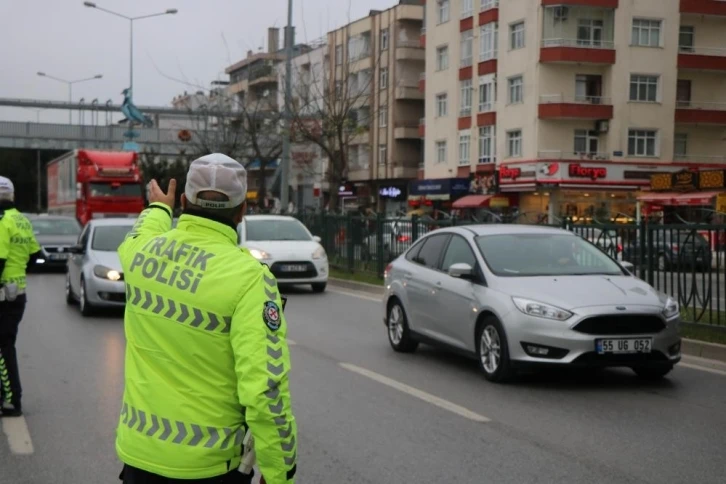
216, 173
7, 189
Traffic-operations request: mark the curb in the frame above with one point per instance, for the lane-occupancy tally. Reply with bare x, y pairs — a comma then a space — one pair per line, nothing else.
690, 347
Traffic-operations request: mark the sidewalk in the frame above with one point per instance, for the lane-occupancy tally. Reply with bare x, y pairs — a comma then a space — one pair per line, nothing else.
690, 347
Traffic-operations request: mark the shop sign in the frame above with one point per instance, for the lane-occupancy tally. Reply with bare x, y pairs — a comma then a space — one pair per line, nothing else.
721, 203
482, 183
685, 181
506, 173
392, 192
346, 190
711, 179
594, 173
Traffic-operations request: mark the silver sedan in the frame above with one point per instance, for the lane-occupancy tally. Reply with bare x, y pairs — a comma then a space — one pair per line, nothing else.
515, 296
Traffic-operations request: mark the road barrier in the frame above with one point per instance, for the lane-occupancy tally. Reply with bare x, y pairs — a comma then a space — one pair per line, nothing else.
686, 261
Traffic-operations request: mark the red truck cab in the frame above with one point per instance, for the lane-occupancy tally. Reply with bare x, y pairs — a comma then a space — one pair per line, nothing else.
95, 184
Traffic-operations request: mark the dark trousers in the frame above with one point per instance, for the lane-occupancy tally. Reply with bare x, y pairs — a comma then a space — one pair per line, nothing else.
11, 313
132, 475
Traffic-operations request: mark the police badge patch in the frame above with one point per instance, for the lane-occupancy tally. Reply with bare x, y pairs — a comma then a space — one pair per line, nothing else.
271, 315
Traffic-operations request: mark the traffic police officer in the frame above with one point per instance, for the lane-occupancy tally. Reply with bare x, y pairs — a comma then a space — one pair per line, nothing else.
18, 249
206, 353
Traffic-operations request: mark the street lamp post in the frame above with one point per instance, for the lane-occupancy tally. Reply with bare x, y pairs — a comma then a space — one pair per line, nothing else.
285, 165
70, 88
170, 11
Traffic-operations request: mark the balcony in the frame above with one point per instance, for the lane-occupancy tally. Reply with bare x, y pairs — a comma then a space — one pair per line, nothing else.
557, 106
358, 173
489, 12
575, 51
404, 171
360, 137
702, 58
573, 155
704, 7
406, 130
410, 12
422, 82
713, 114
705, 159
408, 90
410, 50
583, 3
263, 75
422, 128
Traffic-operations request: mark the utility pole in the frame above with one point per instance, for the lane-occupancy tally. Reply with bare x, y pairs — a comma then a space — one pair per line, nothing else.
287, 115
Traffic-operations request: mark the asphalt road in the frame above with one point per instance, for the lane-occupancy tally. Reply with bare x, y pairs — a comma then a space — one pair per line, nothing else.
368, 415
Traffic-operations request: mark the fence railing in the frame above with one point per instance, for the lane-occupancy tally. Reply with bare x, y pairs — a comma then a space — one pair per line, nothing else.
687, 262
712, 51
562, 99
574, 155
581, 43
706, 106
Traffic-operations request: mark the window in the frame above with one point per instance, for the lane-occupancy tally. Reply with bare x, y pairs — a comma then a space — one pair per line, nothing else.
458, 252
642, 142
514, 143
586, 142
516, 36
487, 144
589, 32
488, 5
465, 97
442, 58
467, 46
383, 117
464, 148
646, 33
108, 238
516, 90
488, 41
384, 77
430, 253
441, 152
588, 89
467, 8
338, 55
444, 10
487, 93
442, 105
643, 88
686, 38
275, 230
382, 153
384, 39
680, 145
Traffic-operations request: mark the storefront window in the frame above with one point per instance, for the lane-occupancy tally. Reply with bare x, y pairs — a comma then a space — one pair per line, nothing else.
596, 207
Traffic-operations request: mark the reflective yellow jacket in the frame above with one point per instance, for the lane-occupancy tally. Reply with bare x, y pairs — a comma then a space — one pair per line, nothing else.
17, 243
206, 353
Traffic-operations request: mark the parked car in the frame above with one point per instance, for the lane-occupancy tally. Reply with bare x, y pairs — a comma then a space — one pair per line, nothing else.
673, 250
55, 234
293, 254
95, 278
514, 296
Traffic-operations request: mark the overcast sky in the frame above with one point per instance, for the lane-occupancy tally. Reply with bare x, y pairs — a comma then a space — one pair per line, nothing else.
67, 40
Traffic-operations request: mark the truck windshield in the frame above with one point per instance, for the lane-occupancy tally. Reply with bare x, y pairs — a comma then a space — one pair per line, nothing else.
109, 190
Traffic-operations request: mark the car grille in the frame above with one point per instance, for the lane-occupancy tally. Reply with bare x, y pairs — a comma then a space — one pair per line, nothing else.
310, 271
52, 249
617, 324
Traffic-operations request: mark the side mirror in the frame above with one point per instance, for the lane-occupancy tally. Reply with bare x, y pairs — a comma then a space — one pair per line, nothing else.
461, 271
76, 249
317, 239
628, 266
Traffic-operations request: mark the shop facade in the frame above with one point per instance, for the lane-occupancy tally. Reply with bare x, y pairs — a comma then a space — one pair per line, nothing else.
436, 194
695, 196
582, 191
392, 197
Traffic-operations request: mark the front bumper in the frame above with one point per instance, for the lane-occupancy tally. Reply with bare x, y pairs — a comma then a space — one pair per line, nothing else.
105, 293
579, 349
316, 271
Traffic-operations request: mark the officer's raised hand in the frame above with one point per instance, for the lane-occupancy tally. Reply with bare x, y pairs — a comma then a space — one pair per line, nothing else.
157, 195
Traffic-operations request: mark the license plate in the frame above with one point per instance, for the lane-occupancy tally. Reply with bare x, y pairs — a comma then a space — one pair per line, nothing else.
623, 345
294, 268
58, 256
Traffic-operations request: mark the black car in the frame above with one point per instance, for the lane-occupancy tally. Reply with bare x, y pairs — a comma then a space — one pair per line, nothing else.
673, 250
55, 234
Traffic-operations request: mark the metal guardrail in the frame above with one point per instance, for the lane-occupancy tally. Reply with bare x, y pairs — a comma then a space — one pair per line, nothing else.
562, 99
579, 43
712, 51
116, 108
573, 155
687, 262
488, 5
704, 106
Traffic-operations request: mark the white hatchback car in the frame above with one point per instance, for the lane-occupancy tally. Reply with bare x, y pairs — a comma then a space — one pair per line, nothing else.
292, 253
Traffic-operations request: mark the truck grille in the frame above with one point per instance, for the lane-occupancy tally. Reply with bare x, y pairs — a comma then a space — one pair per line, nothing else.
617, 324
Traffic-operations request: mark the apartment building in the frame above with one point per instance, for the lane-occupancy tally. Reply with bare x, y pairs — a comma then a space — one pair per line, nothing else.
573, 104
380, 59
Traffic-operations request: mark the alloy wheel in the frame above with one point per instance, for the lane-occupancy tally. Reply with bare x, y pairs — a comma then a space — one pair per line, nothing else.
490, 349
395, 324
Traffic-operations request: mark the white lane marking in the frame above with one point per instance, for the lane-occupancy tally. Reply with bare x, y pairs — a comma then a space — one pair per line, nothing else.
290, 342
358, 295
426, 397
702, 368
16, 430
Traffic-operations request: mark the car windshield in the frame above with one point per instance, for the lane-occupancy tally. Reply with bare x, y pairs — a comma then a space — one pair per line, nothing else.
517, 255
276, 230
114, 190
108, 238
56, 226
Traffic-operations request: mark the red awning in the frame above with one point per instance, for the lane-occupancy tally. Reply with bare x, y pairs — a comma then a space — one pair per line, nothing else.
473, 201
693, 199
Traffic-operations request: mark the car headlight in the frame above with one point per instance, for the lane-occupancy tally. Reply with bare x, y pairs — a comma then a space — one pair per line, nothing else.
106, 273
260, 254
319, 253
541, 310
671, 309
